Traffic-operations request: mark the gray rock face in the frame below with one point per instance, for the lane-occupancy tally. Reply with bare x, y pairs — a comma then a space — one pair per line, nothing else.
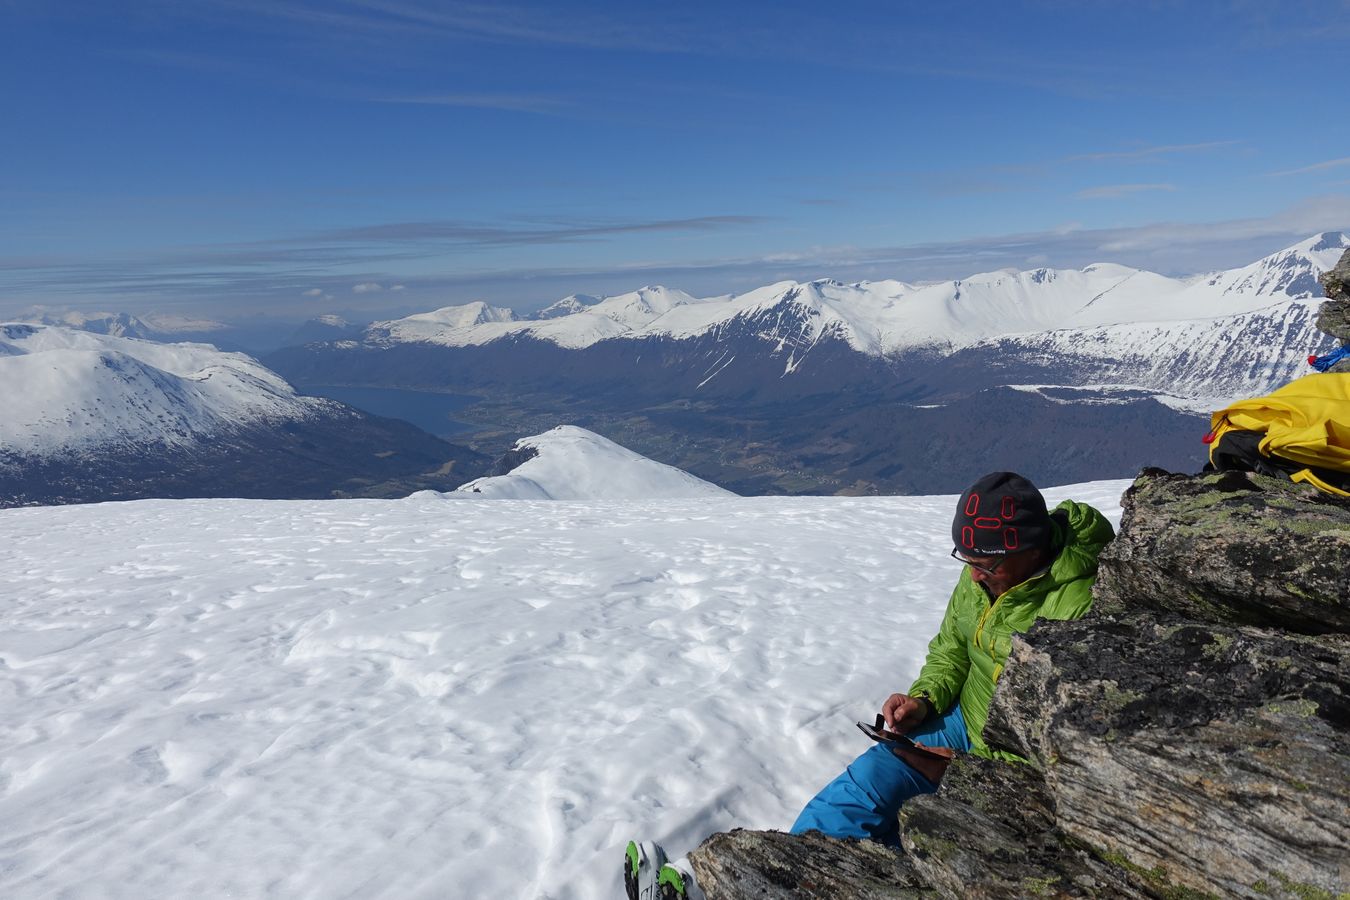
1230, 548
1186, 739
771, 864
1337, 282
992, 832
1333, 316
1209, 756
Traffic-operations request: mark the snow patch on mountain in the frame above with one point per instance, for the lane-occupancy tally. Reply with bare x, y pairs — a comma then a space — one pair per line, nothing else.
81, 390
1291, 272
571, 463
573, 303
1213, 339
1211, 361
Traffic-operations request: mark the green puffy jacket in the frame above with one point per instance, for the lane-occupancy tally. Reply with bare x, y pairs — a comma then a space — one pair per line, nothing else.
966, 657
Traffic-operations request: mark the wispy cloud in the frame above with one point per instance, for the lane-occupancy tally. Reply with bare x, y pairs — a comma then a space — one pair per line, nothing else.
301, 265
1172, 248
514, 23
866, 42
1315, 167
284, 275
1149, 152
1120, 190
509, 102
509, 22
533, 231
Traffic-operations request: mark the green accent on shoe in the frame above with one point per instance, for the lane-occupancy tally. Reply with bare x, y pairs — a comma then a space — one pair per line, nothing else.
633, 857
670, 875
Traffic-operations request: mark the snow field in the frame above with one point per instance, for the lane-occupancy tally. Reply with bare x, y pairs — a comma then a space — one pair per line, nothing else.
431, 697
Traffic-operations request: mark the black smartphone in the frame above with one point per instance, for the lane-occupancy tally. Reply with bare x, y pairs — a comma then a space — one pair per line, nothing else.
879, 734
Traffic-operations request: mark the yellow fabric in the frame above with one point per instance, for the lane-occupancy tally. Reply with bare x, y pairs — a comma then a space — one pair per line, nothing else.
1306, 476
1307, 420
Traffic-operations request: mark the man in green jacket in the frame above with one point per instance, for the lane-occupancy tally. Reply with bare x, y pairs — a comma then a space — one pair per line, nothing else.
1022, 563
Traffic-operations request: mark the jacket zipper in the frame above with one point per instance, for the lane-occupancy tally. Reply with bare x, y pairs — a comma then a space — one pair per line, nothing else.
979, 626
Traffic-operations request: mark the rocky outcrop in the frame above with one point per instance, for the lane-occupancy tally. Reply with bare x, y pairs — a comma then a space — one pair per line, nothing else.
1185, 740
995, 834
1333, 316
772, 864
509, 461
1336, 282
1208, 756
1231, 549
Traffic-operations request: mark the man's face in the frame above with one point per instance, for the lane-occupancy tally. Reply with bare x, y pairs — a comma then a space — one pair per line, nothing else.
1012, 570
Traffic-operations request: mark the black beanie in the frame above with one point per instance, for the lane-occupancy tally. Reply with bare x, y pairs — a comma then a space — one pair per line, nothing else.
1001, 513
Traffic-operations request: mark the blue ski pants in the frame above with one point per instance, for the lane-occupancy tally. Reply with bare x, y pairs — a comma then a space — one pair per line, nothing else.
865, 799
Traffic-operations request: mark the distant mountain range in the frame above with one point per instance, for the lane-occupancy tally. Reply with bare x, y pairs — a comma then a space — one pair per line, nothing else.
149, 328
252, 336
1214, 336
90, 416
875, 386
324, 328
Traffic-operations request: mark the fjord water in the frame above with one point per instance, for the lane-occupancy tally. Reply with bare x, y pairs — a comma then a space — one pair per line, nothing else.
430, 411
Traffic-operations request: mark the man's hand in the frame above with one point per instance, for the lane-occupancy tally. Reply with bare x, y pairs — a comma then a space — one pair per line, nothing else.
903, 712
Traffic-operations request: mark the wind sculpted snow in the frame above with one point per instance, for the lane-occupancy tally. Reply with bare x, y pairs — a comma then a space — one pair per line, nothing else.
430, 697
571, 463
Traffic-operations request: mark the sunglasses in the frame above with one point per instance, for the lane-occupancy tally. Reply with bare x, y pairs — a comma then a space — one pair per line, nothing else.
988, 570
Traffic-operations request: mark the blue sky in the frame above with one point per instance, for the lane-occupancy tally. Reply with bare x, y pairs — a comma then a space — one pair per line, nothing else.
228, 158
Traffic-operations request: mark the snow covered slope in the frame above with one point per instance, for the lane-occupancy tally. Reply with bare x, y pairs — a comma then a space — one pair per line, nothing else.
428, 698
1226, 335
571, 463
68, 390
88, 417
572, 322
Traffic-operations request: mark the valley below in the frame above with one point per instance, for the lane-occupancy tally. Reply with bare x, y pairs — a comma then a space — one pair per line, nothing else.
857, 443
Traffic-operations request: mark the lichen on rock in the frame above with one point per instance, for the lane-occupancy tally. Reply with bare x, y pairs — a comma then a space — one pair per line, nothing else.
1231, 547
743, 863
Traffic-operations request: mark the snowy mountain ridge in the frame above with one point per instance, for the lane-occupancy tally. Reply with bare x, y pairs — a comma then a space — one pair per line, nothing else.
571, 322
888, 317
571, 463
158, 327
81, 390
